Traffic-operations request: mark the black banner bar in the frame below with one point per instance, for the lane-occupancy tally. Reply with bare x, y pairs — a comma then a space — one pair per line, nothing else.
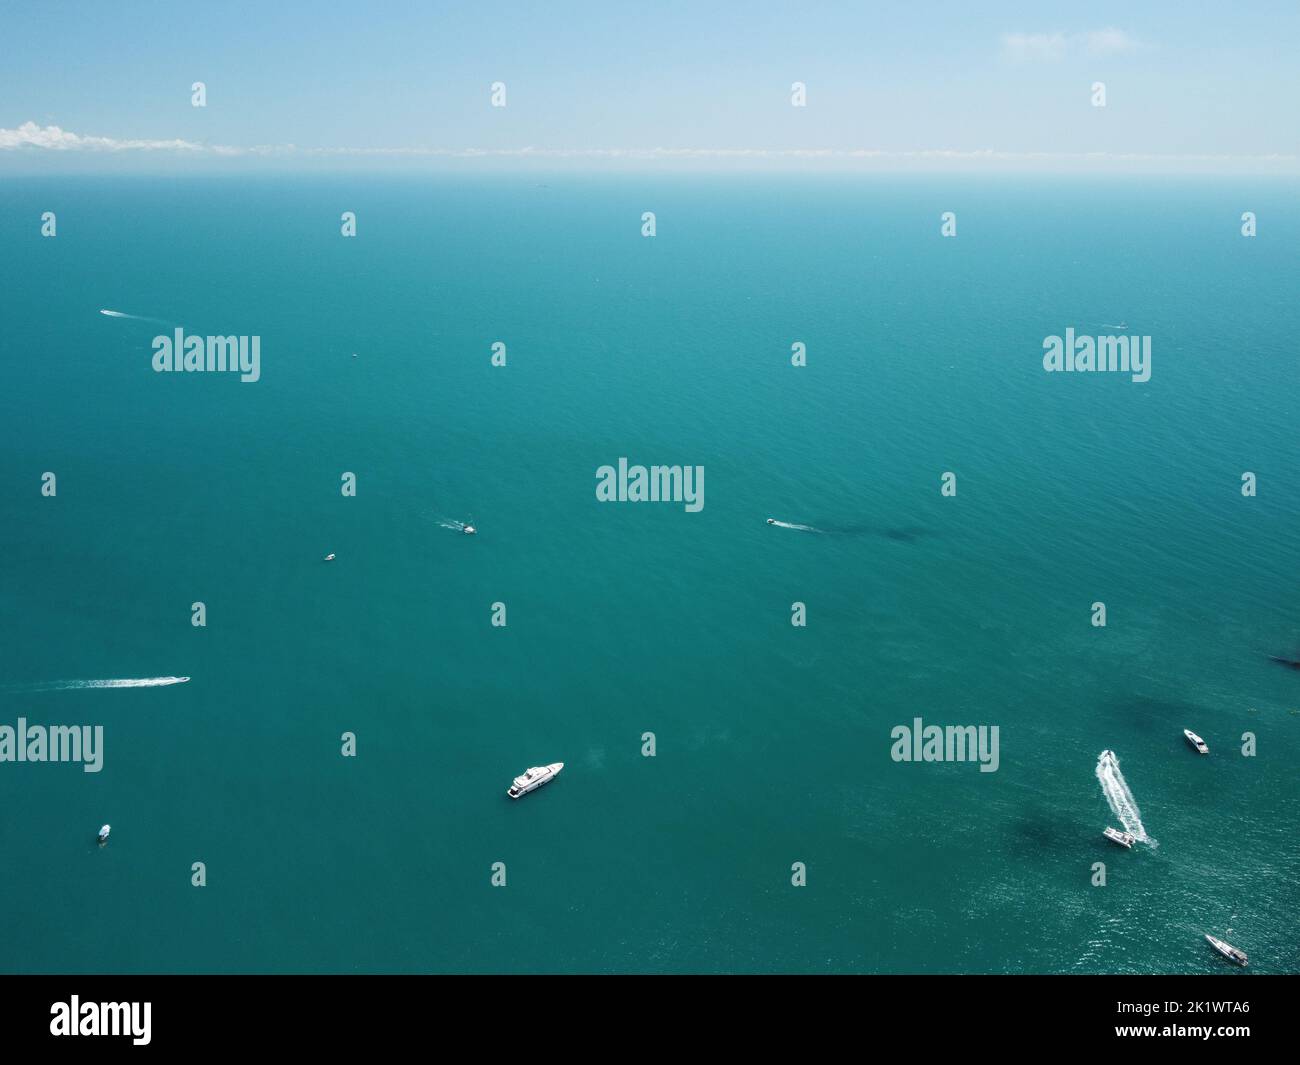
336, 1013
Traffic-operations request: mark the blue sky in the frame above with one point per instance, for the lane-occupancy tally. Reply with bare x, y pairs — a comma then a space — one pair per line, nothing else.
669, 83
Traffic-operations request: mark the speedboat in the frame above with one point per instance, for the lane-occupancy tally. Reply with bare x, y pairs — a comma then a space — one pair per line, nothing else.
1196, 741
329, 557
469, 530
771, 521
534, 778
1124, 839
103, 834
1227, 950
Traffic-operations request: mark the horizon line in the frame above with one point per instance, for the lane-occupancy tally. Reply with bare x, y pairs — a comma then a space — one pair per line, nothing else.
29, 139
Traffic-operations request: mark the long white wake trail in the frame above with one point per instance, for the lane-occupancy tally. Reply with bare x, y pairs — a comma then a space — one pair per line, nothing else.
792, 525
1120, 798
71, 685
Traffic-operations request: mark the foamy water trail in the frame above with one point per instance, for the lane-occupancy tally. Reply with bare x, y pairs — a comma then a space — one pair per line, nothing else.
72, 685
792, 525
132, 317
1120, 798
452, 523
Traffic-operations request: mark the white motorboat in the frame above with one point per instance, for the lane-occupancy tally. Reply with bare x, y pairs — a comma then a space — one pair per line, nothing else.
1124, 839
1196, 741
534, 778
103, 834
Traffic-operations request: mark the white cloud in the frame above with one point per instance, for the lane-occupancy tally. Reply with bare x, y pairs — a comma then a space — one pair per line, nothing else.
1052, 47
1108, 42
30, 135
1040, 46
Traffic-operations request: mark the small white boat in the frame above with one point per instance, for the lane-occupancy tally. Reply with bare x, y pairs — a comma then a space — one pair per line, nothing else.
469, 530
103, 834
534, 778
1124, 839
771, 521
329, 557
1196, 741
1227, 950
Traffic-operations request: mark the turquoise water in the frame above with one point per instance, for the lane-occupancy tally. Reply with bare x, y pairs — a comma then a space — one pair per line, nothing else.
773, 741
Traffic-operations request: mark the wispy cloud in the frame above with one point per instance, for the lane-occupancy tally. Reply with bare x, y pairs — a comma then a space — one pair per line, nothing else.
30, 135
1040, 46
1108, 42
1052, 47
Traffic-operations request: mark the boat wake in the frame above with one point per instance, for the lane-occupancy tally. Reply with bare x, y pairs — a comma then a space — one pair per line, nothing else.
792, 525
72, 685
133, 317
1120, 798
453, 524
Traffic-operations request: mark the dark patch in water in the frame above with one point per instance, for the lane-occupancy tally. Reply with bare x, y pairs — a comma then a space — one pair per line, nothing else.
903, 534
907, 535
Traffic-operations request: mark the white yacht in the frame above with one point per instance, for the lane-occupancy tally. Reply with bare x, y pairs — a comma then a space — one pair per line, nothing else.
771, 521
1227, 950
532, 779
329, 557
1196, 741
469, 530
1124, 839
103, 833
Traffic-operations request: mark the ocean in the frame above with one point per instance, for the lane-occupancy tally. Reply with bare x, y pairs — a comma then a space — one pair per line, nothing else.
772, 741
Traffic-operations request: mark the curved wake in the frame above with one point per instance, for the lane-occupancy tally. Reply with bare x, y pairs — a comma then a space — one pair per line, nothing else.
1120, 798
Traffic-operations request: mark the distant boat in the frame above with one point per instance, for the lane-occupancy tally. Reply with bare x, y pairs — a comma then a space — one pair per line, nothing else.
1227, 950
1196, 741
103, 834
469, 530
1124, 839
329, 557
771, 521
534, 778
